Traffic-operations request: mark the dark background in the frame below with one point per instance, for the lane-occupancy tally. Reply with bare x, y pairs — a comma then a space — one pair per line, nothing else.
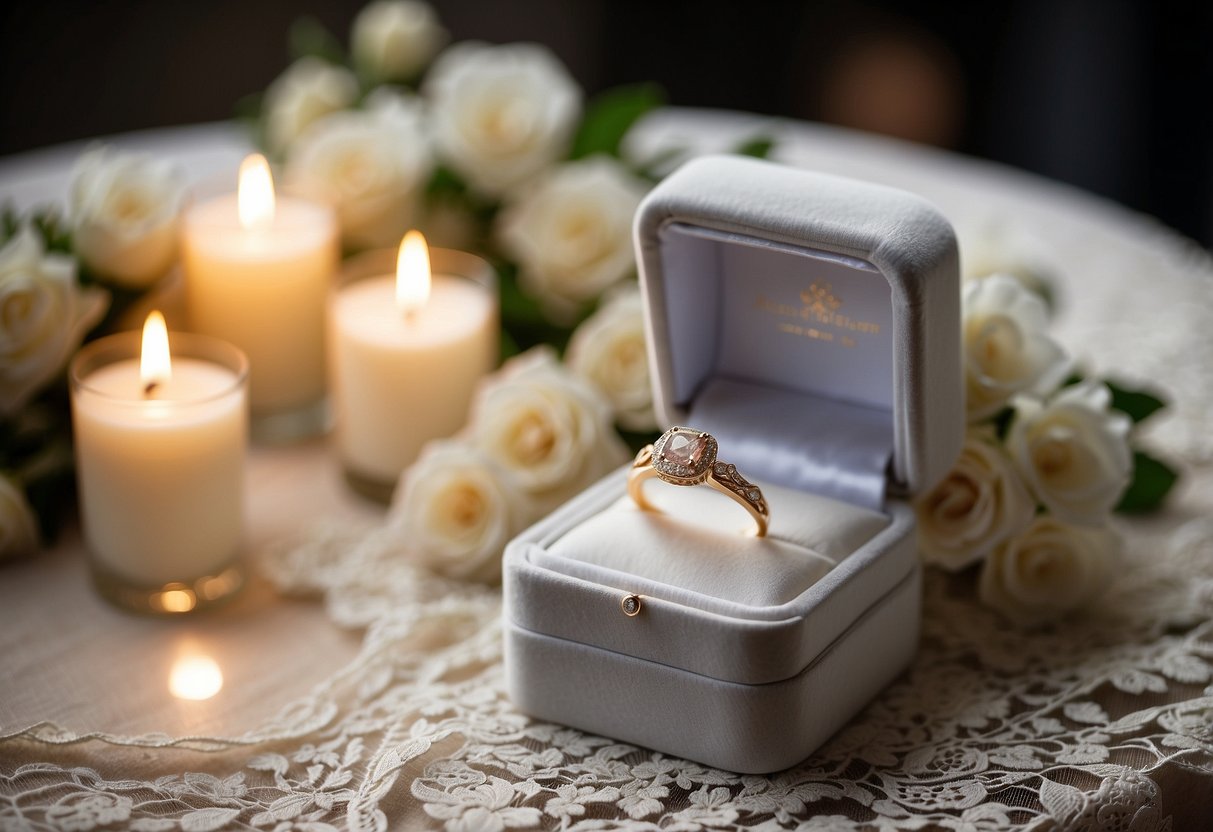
1111, 95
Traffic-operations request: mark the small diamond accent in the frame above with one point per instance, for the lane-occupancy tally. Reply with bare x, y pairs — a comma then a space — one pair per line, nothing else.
630, 605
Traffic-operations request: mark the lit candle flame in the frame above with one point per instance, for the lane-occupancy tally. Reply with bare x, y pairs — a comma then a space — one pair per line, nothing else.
195, 676
155, 365
255, 193
413, 273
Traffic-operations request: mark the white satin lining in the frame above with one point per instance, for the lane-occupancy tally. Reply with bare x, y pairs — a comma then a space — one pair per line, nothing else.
823, 446
739, 306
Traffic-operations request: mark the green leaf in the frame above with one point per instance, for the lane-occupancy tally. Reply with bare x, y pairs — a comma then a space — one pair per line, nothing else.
48, 222
637, 439
1152, 480
759, 147
509, 347
1138, 404
55, 231
1002, 422
50, 484
248, 107
247, 112
445, 182
10, 221
309, 38
522, 317
610, 115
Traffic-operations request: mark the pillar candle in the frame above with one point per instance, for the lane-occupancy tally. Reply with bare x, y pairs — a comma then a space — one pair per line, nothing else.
258, 271
408, 350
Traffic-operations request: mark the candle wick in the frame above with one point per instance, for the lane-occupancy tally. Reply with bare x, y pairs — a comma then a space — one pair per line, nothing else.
150, 388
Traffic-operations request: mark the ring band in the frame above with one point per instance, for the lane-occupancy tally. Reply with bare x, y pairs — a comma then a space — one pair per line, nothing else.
684, 456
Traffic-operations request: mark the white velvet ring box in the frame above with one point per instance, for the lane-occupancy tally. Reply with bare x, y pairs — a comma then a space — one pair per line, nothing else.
812, 325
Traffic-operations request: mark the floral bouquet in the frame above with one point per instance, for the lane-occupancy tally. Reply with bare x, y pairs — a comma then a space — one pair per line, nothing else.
491, 149
1047, 458
62, 282
486, 148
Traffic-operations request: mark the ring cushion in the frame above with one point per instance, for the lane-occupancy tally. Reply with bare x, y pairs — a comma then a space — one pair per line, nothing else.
698, 543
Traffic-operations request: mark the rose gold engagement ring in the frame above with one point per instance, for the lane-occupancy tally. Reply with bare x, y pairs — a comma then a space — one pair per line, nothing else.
684, 456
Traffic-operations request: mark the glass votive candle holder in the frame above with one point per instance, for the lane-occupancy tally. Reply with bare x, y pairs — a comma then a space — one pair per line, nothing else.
400, 377
161, 471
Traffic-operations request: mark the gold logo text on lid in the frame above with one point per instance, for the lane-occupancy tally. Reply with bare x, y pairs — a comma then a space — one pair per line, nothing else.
819, 310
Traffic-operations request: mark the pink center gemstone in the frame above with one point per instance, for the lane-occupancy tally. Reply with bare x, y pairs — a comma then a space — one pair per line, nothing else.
684, 449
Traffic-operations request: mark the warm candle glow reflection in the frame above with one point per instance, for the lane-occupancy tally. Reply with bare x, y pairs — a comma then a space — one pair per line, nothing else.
195, 676
413, 273
155, 366
255, 193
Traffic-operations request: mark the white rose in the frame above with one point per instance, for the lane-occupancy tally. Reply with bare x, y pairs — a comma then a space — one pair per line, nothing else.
457, 510
391, 40
307, 91
548, 429
124, 211
44, 314
1007, 349
1073, 452
978, 505
572, 233
18, 530
609, 349
1048, 570
371, 166
501, 114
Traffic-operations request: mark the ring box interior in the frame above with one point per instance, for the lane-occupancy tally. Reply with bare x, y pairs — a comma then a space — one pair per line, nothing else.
811, 324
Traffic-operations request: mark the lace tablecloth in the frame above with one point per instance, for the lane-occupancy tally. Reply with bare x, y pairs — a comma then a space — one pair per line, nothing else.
363, 694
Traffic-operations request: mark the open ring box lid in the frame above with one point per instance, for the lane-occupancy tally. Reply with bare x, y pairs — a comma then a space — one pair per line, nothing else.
812, 325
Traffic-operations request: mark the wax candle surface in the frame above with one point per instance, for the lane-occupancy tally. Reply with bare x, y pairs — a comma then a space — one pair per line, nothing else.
399, 381
264, 290
161, 478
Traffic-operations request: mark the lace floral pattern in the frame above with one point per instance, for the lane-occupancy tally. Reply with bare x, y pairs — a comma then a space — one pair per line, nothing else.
1059, 729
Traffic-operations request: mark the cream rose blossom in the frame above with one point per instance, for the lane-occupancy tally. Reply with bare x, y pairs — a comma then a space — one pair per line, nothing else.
978, 505
457, 509
1073, 452
370, 165
1049, 570
307, 91
18, 530
548, 429
1007, 349
609, 349
392, 40
44, 314
572, 233
501, 114
125, 210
